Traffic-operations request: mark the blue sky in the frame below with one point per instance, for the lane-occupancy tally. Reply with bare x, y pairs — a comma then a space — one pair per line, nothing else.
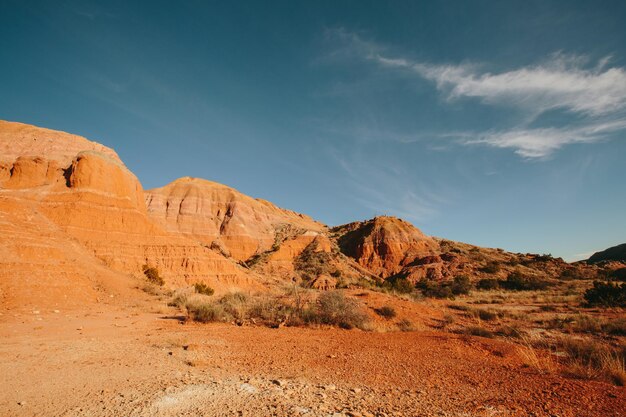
498, 123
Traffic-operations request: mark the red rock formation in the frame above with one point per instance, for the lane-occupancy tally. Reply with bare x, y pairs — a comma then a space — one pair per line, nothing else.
210, 212
384, 245
94, 201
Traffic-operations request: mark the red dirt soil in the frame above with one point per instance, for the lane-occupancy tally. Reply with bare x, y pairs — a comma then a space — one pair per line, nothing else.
113, 361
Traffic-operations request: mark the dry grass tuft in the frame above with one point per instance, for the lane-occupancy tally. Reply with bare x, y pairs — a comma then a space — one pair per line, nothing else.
542, 363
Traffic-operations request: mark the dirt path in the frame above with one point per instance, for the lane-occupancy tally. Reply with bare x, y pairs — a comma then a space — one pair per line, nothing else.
127, 363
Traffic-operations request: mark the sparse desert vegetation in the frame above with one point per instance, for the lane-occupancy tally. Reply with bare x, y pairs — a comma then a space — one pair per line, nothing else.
326, 308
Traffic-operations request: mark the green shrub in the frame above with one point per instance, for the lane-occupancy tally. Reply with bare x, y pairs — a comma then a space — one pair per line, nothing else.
606, 294
492, 267
511, 331
312, 263
202, 288
405, 325
461, 285
479, 331
398, 284
236, 304
335, 309
206, 312
591, 359
618, 274
571, 274
152, 274
438, 291
387, 312
273, 312
615, 327
519, 282
488, 284
179, 301
487, 315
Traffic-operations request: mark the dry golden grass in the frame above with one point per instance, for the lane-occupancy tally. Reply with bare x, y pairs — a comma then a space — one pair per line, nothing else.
543, 363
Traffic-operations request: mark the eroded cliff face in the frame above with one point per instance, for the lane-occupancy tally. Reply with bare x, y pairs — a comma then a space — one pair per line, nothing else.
220, 216
94, 202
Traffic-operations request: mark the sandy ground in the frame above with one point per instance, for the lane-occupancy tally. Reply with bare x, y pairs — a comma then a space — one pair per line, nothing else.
115, 361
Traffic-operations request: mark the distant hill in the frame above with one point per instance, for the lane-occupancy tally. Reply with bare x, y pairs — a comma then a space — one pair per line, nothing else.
615, 253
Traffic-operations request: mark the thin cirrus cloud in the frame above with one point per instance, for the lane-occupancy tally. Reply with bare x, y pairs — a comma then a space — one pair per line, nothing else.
596, 97
593, 97
561, 82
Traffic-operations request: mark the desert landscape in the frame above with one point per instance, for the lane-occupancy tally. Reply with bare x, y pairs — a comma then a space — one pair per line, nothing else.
195, 299
287, 208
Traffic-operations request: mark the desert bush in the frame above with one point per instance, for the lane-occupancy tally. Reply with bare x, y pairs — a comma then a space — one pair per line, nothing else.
557, 322
405, 325
459, 307
235, 304
274, 312
151, 289
513, 331
458, 286
517, 281
592, 360
202, 288
152, 274
492, 267
447, 320
289, 308
615, 327
335, 309
311, 263
618, 274
387, 312
398, 284
571, 274
585, 324
461, 285
205, 312
478, 331
486, 315
438, 291
606, 294
179, 300
488, 284
537, 360
433, 289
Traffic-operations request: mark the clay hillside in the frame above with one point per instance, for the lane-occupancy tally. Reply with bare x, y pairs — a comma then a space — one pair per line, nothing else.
74, 218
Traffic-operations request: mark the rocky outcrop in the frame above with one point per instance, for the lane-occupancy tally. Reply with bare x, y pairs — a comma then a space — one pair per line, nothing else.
384, 245
32, 171
213, 213
22, 140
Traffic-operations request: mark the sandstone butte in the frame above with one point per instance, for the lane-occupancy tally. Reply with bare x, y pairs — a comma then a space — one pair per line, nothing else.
74, 218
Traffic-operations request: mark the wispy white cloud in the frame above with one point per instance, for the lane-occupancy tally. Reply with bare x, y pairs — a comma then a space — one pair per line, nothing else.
592, 95
542, 142
561, 82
